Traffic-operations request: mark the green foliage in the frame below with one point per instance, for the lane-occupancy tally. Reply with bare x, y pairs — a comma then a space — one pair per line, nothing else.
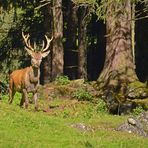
101, 106
8, 45
138, 110
17, 16
3, 88
62, 80
90, 112
66, 114
82, 95
100, 7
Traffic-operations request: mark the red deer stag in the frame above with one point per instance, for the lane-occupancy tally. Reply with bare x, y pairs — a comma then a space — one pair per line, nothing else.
27, 80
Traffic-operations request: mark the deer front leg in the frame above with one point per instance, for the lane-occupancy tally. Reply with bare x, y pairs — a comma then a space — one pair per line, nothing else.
11, 95
35, 99
24, 98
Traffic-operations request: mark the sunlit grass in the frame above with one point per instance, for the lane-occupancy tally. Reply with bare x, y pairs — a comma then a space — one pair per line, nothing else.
21, 128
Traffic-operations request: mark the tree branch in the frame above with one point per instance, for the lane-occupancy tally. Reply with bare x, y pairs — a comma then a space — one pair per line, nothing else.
46, 3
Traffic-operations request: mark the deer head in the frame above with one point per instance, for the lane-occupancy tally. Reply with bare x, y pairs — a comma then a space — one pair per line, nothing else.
36, 57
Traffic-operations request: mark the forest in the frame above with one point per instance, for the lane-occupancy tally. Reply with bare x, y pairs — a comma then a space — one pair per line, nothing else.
89, 50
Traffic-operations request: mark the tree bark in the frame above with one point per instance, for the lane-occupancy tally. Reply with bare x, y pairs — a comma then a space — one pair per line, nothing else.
83, 18
71, 52
119, 69
57, 51
46, 77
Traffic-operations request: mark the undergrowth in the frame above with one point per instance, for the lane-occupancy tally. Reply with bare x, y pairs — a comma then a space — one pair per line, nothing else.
62, 80
82, 95
138, 110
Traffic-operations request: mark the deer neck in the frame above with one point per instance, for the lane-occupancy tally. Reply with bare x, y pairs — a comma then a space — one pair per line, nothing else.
35, 74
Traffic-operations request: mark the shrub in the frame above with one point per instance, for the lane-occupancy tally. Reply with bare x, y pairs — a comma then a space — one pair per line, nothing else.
82, 95
101, 106
138, 110
62, 80
3, 88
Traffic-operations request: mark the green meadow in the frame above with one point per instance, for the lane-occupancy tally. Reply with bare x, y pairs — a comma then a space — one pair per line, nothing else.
55, 126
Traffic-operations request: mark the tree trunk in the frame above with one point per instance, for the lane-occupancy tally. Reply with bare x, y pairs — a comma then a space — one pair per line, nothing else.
46, 68
119, 69
57, 52
83, 17
70, 55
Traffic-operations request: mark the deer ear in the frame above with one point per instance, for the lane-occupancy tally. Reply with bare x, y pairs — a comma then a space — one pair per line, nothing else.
29, 51
44, 54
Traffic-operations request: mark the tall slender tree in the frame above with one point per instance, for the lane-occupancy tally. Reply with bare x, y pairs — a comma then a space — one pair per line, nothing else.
57, 50
46, 68
83, 19
70, 52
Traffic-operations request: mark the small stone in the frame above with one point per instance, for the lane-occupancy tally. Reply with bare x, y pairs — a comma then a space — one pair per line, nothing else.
131, 121
130, 132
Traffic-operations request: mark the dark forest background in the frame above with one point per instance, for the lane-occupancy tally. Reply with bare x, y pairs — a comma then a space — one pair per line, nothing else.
82, 31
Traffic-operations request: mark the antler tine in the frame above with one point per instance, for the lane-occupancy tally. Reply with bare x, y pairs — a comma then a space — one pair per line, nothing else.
48, 43
27, 41
25, 37
35, 45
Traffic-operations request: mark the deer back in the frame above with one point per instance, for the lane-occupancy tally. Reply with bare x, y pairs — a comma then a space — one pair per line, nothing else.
19, 79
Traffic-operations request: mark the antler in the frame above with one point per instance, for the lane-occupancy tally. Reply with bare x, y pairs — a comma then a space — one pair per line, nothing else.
47, 45
27, 41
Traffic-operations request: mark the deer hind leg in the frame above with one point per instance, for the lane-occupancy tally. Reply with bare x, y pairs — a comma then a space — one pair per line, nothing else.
24, 98
11, 92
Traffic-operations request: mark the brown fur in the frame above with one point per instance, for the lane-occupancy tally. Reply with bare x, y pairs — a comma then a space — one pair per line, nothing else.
27, 80
24, 81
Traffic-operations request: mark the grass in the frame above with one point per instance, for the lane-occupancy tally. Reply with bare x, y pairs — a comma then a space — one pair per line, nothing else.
22, 128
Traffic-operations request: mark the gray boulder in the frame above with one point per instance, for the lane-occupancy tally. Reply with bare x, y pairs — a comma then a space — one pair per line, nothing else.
137, 125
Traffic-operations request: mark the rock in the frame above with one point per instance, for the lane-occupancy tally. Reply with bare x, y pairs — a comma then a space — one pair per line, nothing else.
131, 121
137, 125
137, 90
82, 127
